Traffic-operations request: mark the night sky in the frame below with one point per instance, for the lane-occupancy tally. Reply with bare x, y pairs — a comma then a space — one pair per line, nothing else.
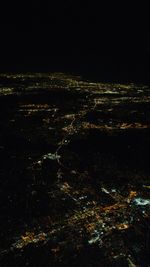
99, 41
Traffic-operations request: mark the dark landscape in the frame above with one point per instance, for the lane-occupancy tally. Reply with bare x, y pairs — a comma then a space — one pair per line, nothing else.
74, 134
75, 172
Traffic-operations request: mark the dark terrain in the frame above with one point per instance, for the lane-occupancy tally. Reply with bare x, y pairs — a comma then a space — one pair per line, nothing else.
75, 172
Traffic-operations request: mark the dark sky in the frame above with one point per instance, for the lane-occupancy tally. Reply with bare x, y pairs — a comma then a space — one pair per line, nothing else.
75, 37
